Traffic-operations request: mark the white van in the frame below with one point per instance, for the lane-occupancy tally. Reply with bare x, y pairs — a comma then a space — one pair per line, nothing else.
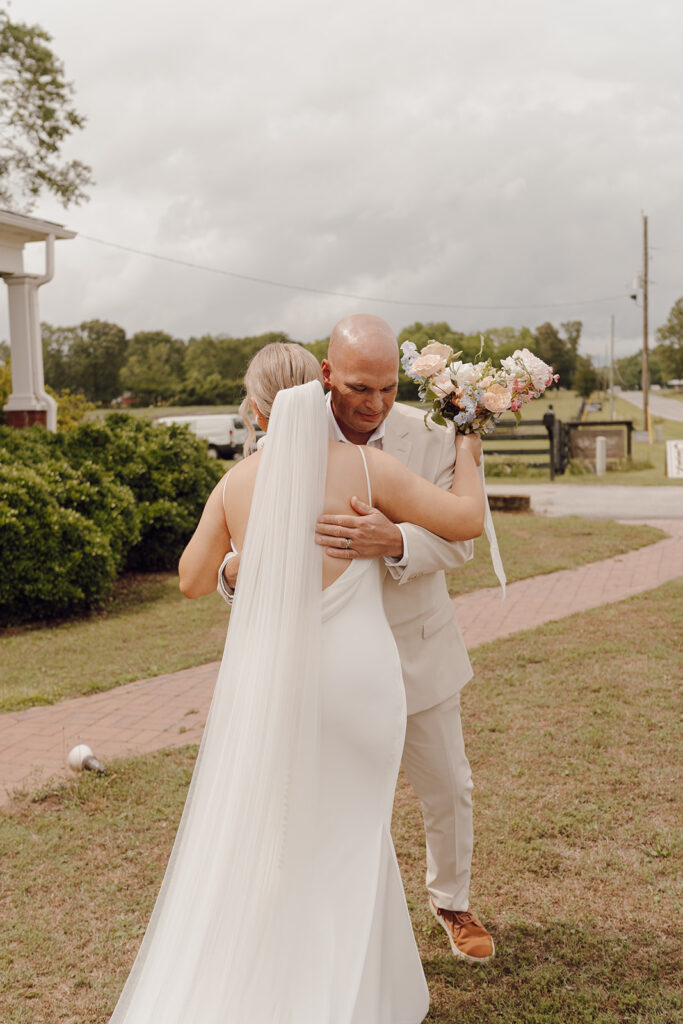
224, 433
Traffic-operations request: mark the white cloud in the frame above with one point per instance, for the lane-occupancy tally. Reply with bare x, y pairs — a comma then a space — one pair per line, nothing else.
473, 154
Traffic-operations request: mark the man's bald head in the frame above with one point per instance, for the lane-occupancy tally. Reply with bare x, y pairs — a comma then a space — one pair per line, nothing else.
362, 337
361, 371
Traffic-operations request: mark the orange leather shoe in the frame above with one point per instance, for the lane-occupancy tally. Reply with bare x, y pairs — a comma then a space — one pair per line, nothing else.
468, 938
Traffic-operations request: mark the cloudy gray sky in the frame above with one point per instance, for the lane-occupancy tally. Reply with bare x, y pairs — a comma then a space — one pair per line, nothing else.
491, 154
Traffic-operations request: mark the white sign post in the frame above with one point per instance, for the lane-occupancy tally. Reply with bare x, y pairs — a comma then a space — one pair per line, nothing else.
600, 455
674, 459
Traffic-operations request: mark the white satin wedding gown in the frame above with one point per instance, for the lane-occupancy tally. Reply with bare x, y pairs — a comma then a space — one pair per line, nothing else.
283, 902
380, 978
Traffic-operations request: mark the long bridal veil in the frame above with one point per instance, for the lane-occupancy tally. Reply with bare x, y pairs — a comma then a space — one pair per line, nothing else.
234, 935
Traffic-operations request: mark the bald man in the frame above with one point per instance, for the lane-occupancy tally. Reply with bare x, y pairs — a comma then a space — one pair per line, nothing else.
361, 373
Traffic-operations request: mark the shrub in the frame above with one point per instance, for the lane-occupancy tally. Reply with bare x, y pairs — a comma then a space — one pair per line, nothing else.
71, 408
78, 506
87, 490
5, 387
55, 561
167, 469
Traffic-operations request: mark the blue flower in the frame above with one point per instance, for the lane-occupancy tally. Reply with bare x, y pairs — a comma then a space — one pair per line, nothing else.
410, 354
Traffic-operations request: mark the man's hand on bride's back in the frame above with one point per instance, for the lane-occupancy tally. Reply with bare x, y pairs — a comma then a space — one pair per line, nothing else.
370, 534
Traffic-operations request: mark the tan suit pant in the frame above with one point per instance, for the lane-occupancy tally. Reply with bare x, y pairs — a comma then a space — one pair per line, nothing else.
436, 766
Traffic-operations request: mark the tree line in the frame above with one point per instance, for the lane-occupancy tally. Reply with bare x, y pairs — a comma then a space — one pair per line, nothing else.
97, 359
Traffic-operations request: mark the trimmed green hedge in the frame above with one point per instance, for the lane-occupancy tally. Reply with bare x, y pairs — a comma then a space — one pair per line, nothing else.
77, 508
55, 562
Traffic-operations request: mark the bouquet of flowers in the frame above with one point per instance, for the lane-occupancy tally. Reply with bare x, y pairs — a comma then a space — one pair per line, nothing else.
474, 395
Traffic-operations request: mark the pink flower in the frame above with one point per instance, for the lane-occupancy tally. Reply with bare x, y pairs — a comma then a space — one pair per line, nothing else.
497, 398
442, 384
428, 365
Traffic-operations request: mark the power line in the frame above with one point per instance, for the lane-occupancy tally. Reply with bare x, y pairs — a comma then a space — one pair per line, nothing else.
343, 295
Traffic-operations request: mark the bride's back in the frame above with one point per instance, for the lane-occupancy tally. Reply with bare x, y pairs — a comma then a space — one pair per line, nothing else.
345, 478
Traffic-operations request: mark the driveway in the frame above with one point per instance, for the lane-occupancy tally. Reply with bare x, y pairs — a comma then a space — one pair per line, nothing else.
667, 408
607, 501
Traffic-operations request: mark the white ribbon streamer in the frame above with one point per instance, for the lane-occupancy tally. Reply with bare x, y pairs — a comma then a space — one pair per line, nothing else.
490, 532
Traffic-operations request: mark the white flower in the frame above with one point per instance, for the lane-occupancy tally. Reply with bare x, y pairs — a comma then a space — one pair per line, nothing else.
541, 374
467, 373
511, 365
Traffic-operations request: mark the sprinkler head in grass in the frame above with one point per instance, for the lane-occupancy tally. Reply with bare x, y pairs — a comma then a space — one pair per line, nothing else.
82, 757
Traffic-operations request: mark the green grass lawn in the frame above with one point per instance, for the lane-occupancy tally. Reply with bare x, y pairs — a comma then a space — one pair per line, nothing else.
149, 628
671, 393
570, 730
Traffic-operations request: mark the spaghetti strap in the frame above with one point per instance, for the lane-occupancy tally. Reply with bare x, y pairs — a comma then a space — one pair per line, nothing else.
367, 474
223, 488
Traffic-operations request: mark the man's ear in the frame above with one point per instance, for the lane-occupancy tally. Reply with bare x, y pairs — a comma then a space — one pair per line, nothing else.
327, 370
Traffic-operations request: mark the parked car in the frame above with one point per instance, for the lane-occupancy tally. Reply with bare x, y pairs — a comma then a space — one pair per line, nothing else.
224, 433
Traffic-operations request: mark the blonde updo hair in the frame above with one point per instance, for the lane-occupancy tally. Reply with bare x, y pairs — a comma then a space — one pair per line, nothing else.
280, 365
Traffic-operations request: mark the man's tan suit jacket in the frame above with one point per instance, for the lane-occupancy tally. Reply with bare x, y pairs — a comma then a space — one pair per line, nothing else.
433, 655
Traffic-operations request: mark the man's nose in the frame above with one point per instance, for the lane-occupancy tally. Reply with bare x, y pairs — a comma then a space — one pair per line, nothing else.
374, 402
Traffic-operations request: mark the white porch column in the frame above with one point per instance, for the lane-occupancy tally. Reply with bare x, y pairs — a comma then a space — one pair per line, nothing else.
28, 402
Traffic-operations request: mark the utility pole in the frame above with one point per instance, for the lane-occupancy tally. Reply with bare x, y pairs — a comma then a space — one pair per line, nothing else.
611, 367
646, 371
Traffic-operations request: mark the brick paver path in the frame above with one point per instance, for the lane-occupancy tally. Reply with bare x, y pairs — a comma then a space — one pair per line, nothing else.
170, 710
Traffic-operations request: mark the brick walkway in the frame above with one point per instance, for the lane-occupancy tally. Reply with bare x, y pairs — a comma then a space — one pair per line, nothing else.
170, 710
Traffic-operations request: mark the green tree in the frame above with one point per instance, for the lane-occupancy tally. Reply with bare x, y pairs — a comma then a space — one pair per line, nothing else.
36, 117
87, 358
669, 351
586, 378
319, 348
627, 371
56, 342
561, 353
154, 366
501, 342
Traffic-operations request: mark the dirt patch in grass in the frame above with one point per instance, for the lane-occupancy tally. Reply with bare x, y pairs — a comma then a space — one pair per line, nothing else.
570, 730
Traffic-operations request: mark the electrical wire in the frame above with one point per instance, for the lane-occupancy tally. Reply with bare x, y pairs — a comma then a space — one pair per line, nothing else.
343, 295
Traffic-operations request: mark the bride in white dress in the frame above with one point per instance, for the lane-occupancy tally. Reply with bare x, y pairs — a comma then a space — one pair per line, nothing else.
282, 902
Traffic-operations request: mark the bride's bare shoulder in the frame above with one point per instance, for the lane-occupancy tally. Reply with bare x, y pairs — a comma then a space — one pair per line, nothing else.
242, 475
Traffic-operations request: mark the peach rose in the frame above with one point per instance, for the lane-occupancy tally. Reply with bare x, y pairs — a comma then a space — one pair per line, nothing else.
497, 398
428, 365
436, 348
